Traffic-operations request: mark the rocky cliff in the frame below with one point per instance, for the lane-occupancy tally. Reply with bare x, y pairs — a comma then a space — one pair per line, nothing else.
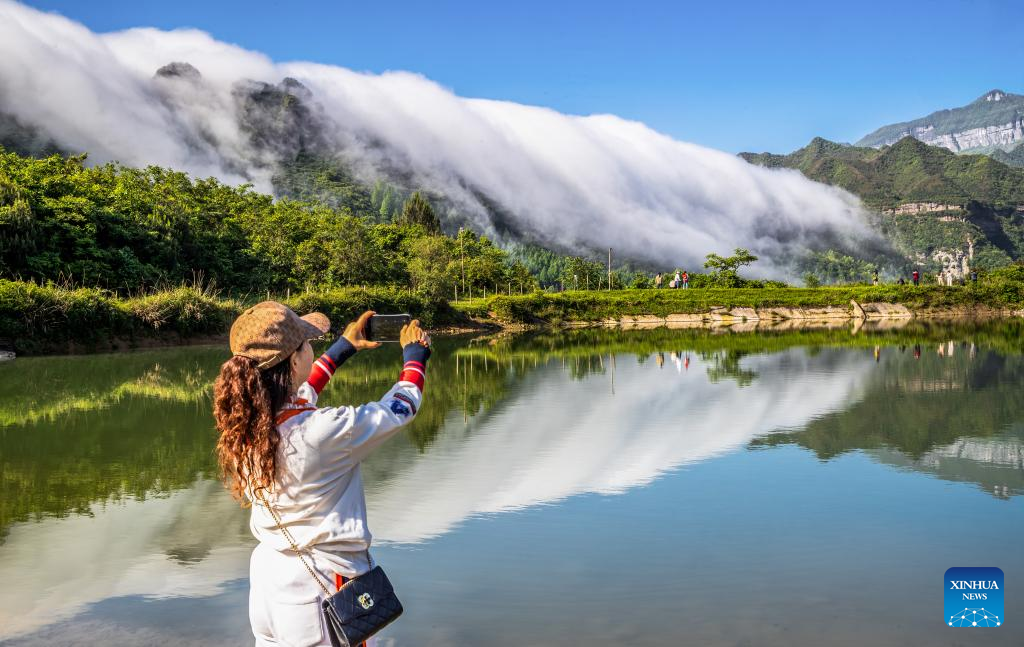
994, 121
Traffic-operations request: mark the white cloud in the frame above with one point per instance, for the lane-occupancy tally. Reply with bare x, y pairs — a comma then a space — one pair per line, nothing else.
584, 181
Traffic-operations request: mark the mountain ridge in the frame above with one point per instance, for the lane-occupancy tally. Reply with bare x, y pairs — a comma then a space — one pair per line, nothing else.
907, 171
943, 211
995, 120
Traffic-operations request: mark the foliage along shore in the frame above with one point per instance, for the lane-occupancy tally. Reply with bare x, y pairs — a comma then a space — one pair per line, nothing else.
998, 293
48, 318
37, 319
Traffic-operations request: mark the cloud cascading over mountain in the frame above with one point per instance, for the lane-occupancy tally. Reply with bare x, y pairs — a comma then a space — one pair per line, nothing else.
582, 182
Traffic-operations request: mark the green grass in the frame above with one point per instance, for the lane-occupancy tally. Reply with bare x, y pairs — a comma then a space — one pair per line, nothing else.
40, 318
47, 318
585, 306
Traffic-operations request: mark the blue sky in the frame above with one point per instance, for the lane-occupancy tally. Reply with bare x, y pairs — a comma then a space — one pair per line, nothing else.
732, 75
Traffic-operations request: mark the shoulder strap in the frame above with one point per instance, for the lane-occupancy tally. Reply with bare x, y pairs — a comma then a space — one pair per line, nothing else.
295, 547
281, 418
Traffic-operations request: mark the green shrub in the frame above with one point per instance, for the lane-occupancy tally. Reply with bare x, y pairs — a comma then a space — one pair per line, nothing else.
34, 316
185, 310
342, 305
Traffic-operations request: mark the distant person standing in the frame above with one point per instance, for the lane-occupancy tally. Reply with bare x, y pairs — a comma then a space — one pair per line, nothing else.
917, 277
657, 281
686, 280
874, 279
974, 276
901, 281
678, 279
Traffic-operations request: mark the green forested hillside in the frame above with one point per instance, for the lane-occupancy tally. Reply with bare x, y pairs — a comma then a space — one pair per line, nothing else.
1014, 157
316, 179
959, 205
907, 171
128, 229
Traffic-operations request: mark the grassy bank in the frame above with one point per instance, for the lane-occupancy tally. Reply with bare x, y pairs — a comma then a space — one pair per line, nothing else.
581, 306
49, 318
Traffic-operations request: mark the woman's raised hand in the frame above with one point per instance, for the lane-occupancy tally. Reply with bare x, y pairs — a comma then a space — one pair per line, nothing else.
413, 334
355, 332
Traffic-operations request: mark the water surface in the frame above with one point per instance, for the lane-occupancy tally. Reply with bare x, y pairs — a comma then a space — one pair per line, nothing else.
593, 487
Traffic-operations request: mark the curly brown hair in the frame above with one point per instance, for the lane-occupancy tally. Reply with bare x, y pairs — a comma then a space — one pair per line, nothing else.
245, 400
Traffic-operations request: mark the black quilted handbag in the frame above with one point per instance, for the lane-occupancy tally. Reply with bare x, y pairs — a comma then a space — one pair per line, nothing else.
363, 606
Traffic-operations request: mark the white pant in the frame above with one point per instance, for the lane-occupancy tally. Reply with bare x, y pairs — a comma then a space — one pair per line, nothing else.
284, 601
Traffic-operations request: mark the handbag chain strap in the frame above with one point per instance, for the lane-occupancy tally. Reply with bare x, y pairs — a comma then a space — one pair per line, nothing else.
295, 546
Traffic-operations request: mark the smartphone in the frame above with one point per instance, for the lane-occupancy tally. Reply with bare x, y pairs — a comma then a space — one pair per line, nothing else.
386, 327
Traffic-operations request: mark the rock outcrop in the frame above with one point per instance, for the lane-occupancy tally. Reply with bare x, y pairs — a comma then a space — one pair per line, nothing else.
994, 121
914, 208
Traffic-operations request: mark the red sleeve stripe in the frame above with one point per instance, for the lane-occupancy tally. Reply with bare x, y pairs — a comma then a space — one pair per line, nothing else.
413, 362
413, 368
321, 373
326, 359
414, 375
327, 367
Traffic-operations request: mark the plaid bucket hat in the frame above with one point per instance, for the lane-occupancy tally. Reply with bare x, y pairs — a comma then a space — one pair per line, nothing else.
269, 332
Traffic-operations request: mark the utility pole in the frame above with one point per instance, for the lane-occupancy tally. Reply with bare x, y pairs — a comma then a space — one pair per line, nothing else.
609, 269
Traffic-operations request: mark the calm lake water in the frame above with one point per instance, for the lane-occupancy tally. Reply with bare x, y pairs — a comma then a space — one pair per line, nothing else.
588, 488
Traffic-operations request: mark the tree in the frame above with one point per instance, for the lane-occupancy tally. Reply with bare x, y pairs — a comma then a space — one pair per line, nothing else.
417, 211
832, 267
725, 270
520, 277
124, 229
641, 281
580, 274
17, 225
544, 264
431, 269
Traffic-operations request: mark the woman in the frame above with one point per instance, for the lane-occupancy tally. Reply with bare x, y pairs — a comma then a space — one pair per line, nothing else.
277, 448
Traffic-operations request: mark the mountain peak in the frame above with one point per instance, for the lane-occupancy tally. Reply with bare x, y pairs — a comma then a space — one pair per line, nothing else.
822, 145
995, 120
179, 70
991, 95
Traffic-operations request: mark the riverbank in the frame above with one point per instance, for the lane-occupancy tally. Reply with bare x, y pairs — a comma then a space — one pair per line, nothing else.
41, 319
748, 305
